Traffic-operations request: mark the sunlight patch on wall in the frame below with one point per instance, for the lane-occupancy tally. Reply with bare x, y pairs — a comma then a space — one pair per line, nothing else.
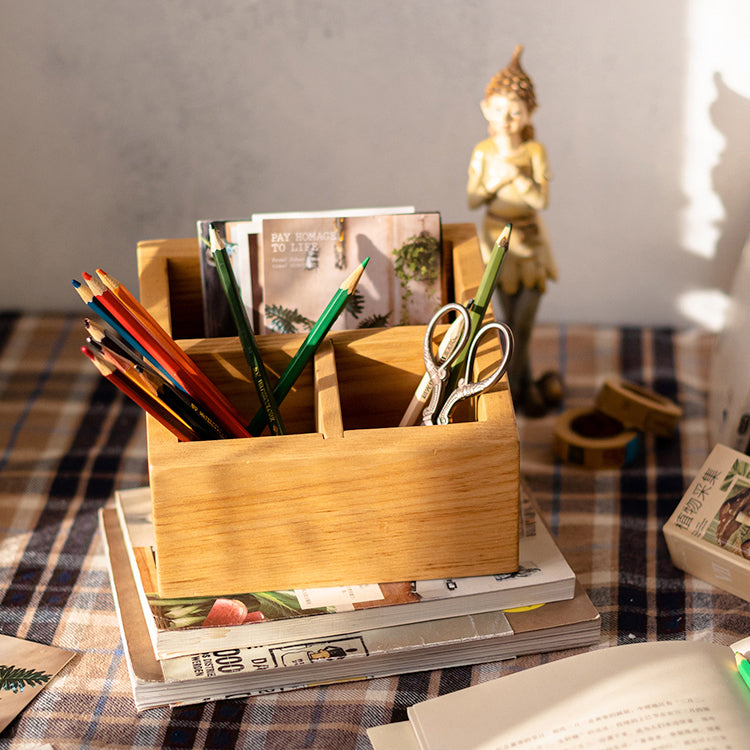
702, 144
707, 308
717, 35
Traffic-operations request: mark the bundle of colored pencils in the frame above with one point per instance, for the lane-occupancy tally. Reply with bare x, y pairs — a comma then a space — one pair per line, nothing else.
141, 359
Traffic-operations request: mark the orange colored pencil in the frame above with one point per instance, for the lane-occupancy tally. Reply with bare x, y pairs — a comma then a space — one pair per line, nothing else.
133, 373
139, 311
175, 400
172, 358
145, 325
126, 386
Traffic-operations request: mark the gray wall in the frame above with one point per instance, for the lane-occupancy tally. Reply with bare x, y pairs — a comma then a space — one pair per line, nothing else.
130, 119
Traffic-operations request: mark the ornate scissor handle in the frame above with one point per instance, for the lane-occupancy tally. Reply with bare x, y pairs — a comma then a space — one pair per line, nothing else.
439, 371
466, 387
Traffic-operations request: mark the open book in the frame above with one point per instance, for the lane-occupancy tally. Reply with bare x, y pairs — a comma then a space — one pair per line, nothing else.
669, 694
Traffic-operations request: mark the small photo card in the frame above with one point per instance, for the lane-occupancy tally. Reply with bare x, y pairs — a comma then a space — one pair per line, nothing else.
25, 670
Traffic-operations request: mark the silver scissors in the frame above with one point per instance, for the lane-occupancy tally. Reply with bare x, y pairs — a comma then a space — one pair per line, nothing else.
439, 368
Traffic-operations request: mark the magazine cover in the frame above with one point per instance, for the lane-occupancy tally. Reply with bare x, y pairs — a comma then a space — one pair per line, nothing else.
716, 506
303, 260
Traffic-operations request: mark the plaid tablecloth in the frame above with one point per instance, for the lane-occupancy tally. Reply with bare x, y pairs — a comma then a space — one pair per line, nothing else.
69, 440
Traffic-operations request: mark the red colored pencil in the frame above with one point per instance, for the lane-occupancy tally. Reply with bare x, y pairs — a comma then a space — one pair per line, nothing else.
172, 358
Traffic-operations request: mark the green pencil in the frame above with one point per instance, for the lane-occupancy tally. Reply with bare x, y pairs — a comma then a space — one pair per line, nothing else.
743, 667
481, 302
269, 405
317, 333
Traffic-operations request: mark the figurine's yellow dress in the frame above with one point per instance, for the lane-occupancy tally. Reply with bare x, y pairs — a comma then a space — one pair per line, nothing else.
529, 261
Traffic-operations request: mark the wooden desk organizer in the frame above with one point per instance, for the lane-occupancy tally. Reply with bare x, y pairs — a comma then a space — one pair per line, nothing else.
347, 496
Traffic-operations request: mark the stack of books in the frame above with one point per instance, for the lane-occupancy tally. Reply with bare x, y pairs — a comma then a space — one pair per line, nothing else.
183, 651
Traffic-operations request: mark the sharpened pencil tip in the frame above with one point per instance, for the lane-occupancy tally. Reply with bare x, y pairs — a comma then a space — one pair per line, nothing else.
94, 283
76, 283
504, 237
216, 240
109, 281
350, 283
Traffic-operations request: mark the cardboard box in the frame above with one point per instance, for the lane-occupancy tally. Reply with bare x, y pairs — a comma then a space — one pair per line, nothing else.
347, 496
708, 535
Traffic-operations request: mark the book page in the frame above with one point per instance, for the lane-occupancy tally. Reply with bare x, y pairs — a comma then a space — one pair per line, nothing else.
397, 736
654, 696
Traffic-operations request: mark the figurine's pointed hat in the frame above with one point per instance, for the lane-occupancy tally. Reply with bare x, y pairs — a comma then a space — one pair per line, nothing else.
513, 80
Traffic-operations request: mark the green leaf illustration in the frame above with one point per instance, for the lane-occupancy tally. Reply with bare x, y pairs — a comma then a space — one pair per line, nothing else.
283, 320
356, 304
375, 321
418, 259
277, 605
17, 678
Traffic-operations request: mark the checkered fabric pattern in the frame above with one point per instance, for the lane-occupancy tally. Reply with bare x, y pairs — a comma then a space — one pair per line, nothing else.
69, 440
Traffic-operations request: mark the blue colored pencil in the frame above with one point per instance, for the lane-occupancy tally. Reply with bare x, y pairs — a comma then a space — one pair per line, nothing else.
88, 297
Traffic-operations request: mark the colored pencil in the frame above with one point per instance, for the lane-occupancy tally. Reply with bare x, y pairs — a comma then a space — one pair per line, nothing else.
743, 667
481, 301
142, 399
137, 375
182, 404
247, 338
317, 333
85, 293
112, 340
123, 364
125, 295
172, 358
135, 308
174, 399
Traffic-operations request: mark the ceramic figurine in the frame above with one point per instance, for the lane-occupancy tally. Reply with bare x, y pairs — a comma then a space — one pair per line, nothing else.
509, 176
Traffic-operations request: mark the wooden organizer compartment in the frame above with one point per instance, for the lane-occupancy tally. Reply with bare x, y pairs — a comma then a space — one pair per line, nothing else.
347, 496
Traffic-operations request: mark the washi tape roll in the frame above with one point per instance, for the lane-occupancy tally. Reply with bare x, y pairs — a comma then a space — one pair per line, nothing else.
589, 437
638, 408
